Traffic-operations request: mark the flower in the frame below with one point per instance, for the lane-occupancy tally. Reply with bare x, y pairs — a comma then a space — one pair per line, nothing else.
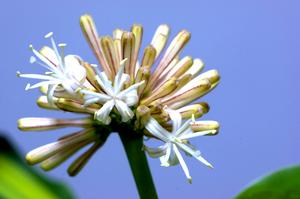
64, 71
169, 153
113, 96
121, 91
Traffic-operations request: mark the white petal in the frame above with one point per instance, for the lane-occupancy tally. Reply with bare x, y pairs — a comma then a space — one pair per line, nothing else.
49, 54
124, 78
60, 65
50, 92
196, 134
35, 76
130, 89
125, 112
105, 83
49, 65
184, 129
43, 83
175, 117
131, 98
182, 163
90, 101
102, 98
195, 153
120, 78
102, 114
73, 67
156, 152
173, 160
158, 131
165, 158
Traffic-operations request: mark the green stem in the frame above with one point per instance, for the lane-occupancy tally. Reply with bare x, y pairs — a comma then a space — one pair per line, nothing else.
139, 165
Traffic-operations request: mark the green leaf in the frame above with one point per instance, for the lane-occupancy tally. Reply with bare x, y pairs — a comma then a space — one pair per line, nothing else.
18, 180
283, 184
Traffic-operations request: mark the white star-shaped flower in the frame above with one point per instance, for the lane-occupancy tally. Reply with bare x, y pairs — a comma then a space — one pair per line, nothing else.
169, 153
114, 96
64, 71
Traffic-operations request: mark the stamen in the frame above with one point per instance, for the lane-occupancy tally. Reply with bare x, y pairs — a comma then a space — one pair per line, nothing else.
62, 52
27, 87
60, 65
32, 59
48, 35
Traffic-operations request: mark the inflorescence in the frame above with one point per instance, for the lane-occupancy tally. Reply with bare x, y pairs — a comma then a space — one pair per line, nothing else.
126, 92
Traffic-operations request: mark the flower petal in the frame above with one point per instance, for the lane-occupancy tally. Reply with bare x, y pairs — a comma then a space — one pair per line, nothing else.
156, 152
195, 153
125, 112
74, 68
176, 119
158, 131
102, 114
183, 164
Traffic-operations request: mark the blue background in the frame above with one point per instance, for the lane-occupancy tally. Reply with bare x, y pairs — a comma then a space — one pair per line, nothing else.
253, 43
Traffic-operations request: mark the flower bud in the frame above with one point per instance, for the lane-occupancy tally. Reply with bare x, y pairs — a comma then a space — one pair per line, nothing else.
43, 124
205, 125
187, 94
160, 38
90, 32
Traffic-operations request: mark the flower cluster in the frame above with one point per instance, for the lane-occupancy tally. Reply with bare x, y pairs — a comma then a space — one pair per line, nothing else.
151, 96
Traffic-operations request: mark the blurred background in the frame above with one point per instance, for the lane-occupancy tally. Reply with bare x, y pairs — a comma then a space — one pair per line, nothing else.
255, 46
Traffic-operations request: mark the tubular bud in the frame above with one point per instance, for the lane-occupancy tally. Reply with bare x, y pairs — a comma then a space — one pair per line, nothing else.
186, 95
128, 43
197, 66
43, 124
149, 56
161, 91
175, 70
42, 102
173, 50
143, 74
212, 75
197, 110
205, 125
182, 81
160, 38
62, 156
90, 32
44, 152
142, 116
137, 31
80, 162
74, 106
110, 53
91, 75
49, 54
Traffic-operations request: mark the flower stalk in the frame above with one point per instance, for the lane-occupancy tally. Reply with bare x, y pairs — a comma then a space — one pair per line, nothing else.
133, 144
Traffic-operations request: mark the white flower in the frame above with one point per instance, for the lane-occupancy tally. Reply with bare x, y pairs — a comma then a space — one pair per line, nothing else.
113, 96
169, 153
64, 71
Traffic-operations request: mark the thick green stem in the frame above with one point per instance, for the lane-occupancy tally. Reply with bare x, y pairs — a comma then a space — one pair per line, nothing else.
139, 165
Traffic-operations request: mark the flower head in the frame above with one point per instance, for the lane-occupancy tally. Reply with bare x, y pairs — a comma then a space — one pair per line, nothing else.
113, 96
169, 153
122, 91
64, 71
